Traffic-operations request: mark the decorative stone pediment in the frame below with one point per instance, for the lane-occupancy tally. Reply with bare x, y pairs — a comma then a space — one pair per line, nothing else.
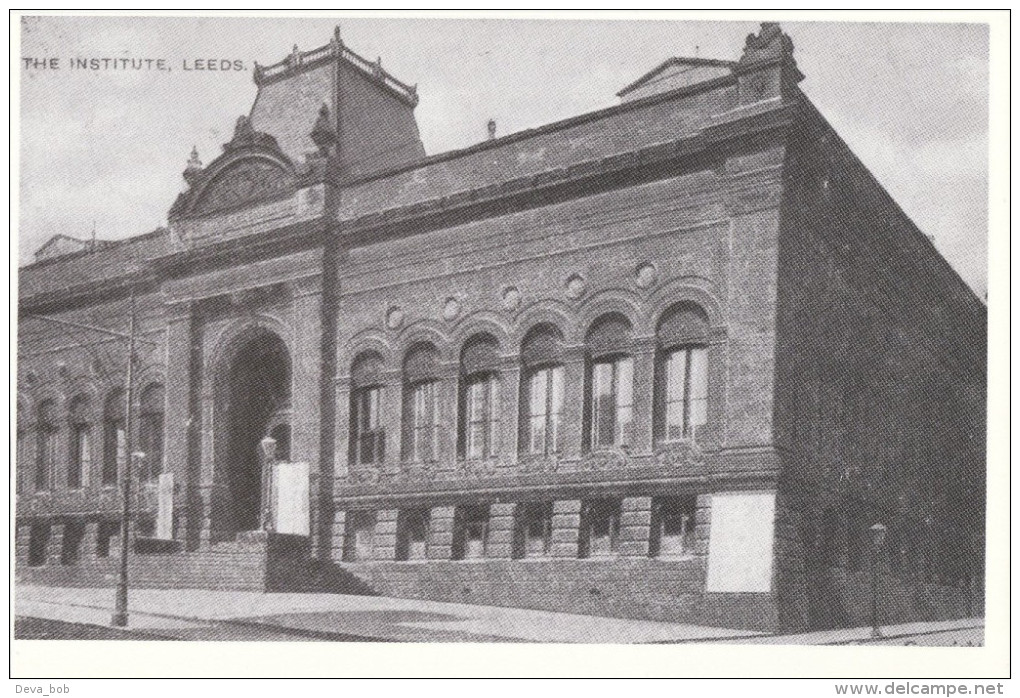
246, 180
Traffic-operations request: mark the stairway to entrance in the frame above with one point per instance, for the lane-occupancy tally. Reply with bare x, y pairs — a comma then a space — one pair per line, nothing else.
253, 561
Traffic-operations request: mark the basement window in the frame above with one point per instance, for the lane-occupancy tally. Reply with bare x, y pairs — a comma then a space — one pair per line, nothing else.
600, 528
471, 527
412, 534
359, 541
673, 526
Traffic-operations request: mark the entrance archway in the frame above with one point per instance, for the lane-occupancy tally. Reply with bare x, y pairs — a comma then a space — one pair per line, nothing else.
254, 394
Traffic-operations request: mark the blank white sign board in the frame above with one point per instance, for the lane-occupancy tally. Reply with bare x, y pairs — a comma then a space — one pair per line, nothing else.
290, 490
740, 542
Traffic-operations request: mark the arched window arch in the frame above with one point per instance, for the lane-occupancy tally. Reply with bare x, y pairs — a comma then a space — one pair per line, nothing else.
80, 420
609, 404
367, 441
150, 430
114, 437
541, 390
420, 443
479, 398
681, 395
46, 453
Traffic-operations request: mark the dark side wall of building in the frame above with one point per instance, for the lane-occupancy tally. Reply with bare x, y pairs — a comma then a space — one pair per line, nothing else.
880, 392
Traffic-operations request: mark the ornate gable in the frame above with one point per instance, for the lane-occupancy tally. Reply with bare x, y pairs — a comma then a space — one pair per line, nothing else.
245, 180
252, 168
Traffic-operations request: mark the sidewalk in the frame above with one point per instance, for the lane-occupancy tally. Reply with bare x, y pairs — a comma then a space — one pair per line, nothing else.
197, 614
194, 614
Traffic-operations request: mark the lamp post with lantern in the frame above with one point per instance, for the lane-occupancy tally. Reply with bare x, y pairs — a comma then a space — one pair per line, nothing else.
268, 445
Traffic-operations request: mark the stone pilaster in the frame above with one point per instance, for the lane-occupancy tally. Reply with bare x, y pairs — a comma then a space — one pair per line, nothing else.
393, 418
339, 535
509, 409
501, 530
306, 397
21, 538
644, 391
566, 527
448, 393
702, 524
385, 538
180, 421
440, 545
56, 544
572, 436
635, 526
89, 542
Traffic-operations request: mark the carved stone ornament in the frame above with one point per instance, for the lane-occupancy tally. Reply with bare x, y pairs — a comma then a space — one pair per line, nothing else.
245, 181
477, 468
245, 136
678, 455
604, 460
576, 286
538, 464
511, 298
646, 275
770, 42
362, 475
323, 133
451, 309
394, 317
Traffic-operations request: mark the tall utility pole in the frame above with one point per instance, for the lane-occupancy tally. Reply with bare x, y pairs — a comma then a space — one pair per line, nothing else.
120, 609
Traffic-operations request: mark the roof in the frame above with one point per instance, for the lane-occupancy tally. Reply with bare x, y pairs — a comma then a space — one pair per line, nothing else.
671, 62
593, 136
117, 258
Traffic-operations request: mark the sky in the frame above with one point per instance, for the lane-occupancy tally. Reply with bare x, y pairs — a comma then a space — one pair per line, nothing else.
104, 150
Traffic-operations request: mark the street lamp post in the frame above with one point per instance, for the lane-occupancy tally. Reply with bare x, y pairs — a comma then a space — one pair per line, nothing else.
268, 445
877, 538
120, 608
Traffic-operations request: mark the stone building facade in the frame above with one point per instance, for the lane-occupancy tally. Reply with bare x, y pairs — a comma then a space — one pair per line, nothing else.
671, 360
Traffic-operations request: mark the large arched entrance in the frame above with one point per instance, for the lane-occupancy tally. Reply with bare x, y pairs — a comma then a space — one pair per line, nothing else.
254, 400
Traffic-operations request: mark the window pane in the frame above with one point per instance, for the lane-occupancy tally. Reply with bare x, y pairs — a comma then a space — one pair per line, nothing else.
676, 368
556, 408
624, 400
538, 393
425, 422
698, 411
603, 405
493, 416
476, 440
537, 434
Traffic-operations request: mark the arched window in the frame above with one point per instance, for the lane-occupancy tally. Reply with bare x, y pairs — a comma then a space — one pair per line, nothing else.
367, 433
609, 406
150, 431
421, 404
682, 373
46, 455
479, 398
114, 437
541, 390
80, 466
